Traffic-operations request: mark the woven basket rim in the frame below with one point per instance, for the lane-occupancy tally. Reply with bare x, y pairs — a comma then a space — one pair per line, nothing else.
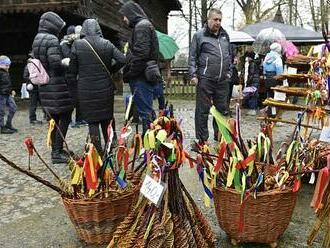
98, 200
262, 193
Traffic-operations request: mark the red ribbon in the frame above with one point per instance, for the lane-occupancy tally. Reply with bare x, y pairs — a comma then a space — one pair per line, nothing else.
29, 145
243, 164
241, 213
219, 163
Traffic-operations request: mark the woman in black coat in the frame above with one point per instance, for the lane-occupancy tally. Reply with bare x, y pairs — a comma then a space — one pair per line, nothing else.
54, 96
92, 60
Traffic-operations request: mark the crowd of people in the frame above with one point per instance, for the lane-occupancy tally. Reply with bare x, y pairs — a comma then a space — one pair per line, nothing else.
80, 69
81, 65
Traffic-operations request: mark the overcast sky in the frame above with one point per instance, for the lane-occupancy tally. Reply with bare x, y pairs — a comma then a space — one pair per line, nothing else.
178, 27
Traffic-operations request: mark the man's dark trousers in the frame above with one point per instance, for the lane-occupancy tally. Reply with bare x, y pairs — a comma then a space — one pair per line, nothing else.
209, 92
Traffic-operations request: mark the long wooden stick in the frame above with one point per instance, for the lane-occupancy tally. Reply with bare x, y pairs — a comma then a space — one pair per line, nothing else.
30, 174
286, 121
47, 166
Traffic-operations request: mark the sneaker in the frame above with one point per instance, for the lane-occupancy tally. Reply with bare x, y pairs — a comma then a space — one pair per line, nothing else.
36, 122
11, 128
251, 112
74, 125
82, 123
5, 130
59, 158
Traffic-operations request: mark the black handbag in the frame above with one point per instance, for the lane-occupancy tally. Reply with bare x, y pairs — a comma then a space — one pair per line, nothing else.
152, 72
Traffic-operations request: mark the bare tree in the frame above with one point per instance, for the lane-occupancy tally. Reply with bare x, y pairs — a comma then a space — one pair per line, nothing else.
254, 11
315, 18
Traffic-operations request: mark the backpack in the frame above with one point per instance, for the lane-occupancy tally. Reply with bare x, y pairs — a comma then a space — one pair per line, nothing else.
37, 73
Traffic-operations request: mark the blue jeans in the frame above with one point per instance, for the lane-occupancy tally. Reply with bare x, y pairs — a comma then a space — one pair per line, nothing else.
9, 102
143, 96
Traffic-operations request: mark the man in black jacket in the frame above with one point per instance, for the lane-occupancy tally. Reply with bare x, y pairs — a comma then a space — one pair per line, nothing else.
92, 60
210, 69
143, 47
54, 96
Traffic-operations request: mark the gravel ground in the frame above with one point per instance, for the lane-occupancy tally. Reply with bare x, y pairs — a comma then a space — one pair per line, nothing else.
32, 215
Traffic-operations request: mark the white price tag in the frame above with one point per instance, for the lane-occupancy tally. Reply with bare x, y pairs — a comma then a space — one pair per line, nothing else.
292, 70
273, 110
279, 96
312, 179
325, 134
152, 190
285, 82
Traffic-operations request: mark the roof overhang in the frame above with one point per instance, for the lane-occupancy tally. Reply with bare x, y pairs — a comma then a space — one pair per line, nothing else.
38, 7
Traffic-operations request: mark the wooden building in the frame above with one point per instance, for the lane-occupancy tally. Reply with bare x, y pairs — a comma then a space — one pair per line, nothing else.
19, 18
19, 21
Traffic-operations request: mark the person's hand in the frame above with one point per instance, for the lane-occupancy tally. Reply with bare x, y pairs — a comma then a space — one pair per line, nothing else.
29, 87
13, 93
194, 81
66, 62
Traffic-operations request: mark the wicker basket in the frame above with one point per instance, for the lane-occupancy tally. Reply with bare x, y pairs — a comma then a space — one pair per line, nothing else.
96, 220
260, 220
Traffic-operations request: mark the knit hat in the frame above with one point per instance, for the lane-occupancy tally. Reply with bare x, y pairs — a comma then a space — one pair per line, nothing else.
70, 30
4, 60
77, 29
276, 47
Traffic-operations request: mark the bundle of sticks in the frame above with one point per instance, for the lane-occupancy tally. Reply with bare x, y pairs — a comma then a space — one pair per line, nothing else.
294, 78
322, 206
176, 220
292, 91
300, 59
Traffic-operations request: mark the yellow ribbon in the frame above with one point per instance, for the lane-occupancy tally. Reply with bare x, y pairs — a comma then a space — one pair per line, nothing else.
51, 127
76, 174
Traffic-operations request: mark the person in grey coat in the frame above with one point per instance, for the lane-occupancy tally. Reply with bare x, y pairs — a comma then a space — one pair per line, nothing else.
210, 69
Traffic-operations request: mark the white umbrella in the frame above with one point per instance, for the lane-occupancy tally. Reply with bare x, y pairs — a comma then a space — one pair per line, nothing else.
239, 37
265, 38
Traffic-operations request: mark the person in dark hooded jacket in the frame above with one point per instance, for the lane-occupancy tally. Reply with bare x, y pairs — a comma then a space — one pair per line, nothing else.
143, 47
95, 87
54, 96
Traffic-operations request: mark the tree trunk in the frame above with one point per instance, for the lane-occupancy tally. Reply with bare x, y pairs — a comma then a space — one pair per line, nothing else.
315, 21
290, 5
190, 22
204, 11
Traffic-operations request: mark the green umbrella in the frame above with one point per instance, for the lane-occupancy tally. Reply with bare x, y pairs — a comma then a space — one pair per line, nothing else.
167, 46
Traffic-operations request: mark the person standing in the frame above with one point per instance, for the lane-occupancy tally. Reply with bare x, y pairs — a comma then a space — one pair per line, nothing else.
72, 34
250, 91
6, 97
34, 95
210, 69
143, 48
54, 96
93, 59
272, 66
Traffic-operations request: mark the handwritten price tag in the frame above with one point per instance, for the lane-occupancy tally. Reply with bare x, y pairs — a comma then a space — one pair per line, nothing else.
279, 96
325, 134
152, 190
292, 70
